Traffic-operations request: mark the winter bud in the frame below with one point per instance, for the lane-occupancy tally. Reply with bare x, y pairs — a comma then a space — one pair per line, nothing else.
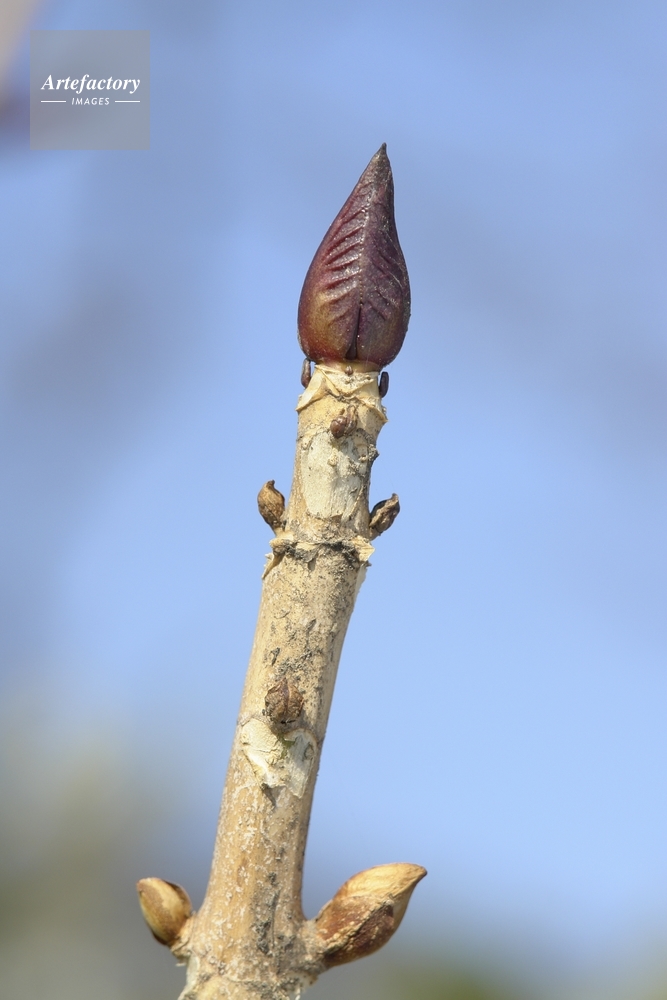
283, 702
345, 422
355, 301
365, 912
383, 515
165, 907
271, 505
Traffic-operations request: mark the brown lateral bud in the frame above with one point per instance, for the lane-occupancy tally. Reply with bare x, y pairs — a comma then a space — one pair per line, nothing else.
306, 373
271, 504
283, 702
165, 906
365, 912
383, 515
355, 301
345, 422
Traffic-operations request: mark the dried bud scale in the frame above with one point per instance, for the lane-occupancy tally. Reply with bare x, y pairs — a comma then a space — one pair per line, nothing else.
355, 301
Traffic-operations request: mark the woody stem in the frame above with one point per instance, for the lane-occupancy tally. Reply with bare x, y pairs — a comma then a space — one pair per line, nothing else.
246, 941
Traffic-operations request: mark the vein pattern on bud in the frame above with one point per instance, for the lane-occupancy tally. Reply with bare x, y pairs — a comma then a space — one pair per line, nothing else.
355, 301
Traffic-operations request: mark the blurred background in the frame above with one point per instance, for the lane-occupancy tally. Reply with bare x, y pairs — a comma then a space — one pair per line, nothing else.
500, 710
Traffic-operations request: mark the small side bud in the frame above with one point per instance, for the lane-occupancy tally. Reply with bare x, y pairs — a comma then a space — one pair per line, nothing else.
283, 702
355, 301
383, 385
165, 906
345, 422
306, 373
271, 504
365, 912
383, 515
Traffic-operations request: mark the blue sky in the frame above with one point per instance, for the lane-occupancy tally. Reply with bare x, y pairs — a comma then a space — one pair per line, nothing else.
499, 715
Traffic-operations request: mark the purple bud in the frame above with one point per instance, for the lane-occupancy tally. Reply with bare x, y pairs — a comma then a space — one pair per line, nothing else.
355, 301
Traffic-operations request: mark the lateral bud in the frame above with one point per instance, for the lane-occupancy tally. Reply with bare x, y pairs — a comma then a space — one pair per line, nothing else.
271, 504
383, 515
165, 906
345, 422
365, 912
283, 702
306, 372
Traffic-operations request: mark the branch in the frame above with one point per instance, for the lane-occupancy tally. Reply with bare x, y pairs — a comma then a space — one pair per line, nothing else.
250, 938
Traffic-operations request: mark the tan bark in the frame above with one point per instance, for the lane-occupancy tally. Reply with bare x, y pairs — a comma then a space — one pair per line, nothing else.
250, 938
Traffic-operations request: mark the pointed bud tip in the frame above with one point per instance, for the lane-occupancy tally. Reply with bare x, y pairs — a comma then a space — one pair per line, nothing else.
379, 165
396, 881
355, 301
165, 907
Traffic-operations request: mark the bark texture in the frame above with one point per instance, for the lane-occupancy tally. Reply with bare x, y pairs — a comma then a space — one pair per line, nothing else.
250, 938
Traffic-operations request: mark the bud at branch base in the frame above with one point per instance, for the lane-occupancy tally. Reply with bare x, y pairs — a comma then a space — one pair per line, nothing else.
365, 912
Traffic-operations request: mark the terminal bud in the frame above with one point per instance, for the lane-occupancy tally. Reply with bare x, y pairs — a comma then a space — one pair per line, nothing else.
355, 301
